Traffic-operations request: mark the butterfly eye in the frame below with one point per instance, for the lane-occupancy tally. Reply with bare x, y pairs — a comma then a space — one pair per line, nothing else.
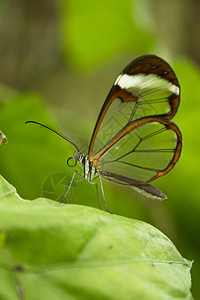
70, 162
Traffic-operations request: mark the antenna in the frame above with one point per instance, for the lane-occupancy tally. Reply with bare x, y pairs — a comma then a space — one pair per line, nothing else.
56, 132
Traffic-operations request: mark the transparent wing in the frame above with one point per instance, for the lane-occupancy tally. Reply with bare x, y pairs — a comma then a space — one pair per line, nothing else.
148, 87
141, 152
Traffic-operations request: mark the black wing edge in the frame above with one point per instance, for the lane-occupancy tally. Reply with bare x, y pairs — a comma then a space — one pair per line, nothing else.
144, 189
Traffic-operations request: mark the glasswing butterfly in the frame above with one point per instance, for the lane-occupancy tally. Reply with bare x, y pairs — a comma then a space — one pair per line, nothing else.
134, 141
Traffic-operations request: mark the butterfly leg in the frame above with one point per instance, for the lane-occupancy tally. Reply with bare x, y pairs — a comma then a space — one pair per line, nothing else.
69, 186
102, 191
97, 192
104, 201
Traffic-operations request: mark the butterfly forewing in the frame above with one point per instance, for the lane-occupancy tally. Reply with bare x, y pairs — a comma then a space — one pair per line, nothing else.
147, 87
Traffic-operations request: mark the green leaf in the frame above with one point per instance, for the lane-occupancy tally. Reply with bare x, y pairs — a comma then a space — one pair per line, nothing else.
76, 252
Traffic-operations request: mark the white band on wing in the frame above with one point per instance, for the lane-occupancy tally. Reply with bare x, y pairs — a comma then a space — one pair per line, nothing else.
146, 82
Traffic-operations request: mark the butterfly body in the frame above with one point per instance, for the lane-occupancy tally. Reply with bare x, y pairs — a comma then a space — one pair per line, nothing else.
89, 169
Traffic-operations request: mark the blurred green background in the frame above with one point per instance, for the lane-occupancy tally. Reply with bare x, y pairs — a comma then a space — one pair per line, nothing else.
58, 60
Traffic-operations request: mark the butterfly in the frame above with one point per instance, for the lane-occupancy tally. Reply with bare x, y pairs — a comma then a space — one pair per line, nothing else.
134, 141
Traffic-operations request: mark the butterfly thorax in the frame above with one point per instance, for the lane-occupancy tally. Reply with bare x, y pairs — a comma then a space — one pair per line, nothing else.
89, 169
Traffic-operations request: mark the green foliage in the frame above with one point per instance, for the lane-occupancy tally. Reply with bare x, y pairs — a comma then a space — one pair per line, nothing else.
107, 34
95, 31
70, 251
33, 151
